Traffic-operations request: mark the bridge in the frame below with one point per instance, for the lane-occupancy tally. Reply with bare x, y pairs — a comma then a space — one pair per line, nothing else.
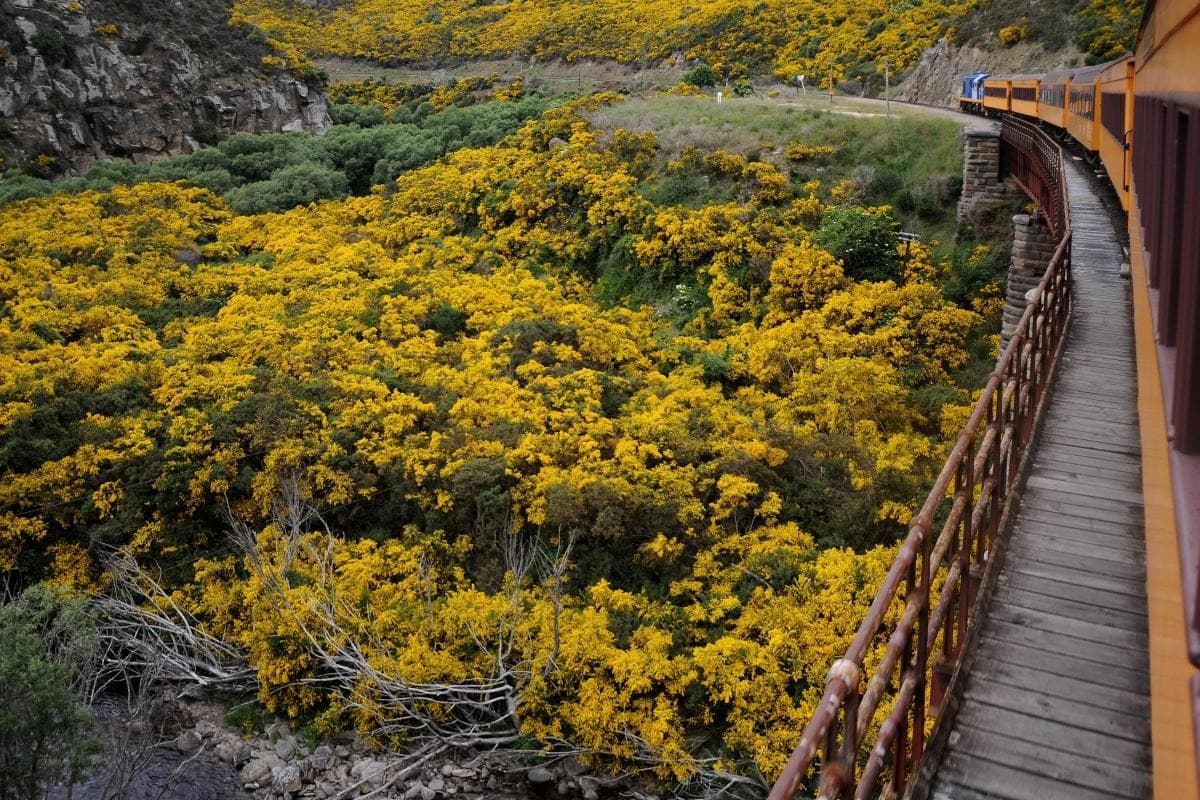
1021, 665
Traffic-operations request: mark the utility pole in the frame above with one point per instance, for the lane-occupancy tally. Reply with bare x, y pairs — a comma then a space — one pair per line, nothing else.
831, 83
887, 86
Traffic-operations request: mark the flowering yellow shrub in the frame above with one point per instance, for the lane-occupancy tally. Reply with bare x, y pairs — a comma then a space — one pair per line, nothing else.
1011, 34
798, 151
431, 368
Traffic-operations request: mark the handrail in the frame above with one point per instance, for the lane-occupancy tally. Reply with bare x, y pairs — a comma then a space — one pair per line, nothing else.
921, 652
1036, 166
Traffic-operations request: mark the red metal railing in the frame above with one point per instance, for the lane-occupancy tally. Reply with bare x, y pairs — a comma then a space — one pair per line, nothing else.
917, 658
1035, 163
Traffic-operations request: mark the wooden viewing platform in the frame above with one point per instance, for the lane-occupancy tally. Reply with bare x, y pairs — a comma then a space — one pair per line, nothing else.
1056, 704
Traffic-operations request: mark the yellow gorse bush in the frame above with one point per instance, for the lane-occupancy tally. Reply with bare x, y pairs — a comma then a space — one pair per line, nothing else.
429, 364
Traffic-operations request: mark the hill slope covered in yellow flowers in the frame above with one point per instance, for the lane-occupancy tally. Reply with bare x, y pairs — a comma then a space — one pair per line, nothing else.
640, 528
735, 38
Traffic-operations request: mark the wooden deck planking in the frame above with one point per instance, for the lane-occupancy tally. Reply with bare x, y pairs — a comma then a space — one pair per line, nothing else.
1057, 704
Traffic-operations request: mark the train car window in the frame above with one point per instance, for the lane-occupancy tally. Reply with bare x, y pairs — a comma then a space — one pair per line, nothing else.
1082, 101
1024, 93
1157, 168
1172, 230
1112, 114
1147, 148
1052, 96
1186, 405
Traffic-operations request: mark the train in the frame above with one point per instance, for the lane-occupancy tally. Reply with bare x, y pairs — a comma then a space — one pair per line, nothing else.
1138, 118
1094, 105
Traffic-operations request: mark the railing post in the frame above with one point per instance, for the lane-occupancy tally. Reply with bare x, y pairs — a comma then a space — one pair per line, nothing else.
922, 642
901, 751
831, 741
850, 744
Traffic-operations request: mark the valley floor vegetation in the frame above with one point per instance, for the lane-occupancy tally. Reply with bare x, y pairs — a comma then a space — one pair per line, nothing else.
541, 433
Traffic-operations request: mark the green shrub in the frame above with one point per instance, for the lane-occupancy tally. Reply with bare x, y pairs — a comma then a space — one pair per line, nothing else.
206, 133
446, 320
19, 186
864, 242
351, 114
700, 75
46, 732
51, 45
256, 158
291, 186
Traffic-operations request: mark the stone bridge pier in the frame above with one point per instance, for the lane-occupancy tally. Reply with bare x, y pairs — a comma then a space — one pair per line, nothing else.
984, 184
1033, 247
985, 188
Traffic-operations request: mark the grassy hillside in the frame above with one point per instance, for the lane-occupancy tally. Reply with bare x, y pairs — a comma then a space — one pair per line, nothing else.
1100, 29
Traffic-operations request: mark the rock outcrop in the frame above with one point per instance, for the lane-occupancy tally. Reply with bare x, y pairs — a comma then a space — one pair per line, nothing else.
280, 764
935, 78
82, 80
188, 750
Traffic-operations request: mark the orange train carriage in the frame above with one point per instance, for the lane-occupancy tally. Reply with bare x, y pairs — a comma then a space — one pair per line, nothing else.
1081, 107
1052, 97
1114, 133
997, 95
1023, 94
1164, 233
1141, 115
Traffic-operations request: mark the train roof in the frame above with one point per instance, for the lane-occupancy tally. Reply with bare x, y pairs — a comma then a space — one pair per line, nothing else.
1058, 76
1089, 73
1016, 76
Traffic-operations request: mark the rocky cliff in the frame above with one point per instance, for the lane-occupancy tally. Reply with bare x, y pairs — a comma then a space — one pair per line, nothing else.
82, 80
994, 36
936, 77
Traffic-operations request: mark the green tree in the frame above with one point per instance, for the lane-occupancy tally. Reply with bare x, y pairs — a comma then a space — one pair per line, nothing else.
701, 75
865, 242
51, 44
46, 733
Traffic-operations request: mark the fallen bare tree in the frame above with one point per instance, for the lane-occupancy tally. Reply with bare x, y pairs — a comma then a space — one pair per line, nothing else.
145, 632
482, 714
470, 714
